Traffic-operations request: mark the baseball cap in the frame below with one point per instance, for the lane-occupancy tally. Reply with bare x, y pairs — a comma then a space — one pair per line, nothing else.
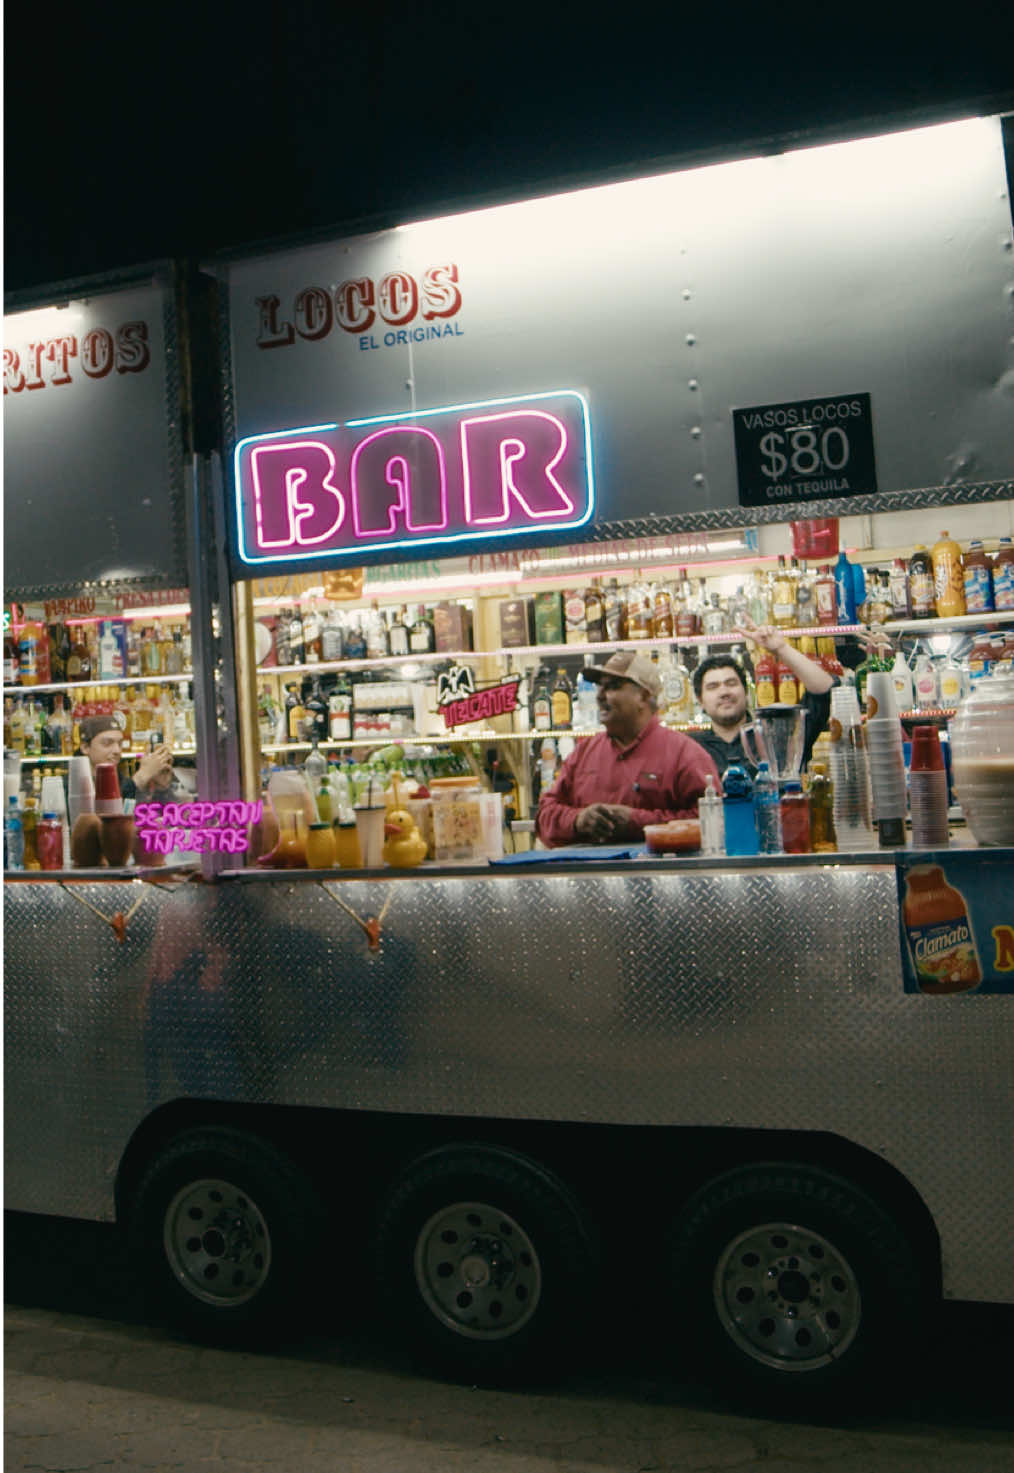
628, 665
92, 725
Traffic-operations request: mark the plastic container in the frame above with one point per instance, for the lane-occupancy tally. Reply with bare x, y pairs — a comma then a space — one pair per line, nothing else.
978, 579
711, 813
948, 577
49, 841
740, 829
815, 537
920, 583
678, 836
766, 814
982, 759
927, 790
795, 817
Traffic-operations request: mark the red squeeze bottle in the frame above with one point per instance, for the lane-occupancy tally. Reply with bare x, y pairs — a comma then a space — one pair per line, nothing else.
927, 790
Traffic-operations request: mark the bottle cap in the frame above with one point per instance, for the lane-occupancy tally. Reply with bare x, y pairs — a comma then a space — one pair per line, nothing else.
793, 785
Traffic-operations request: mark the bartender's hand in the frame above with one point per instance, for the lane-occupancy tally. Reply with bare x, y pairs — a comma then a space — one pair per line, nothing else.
156, 769
766, 635
601, 822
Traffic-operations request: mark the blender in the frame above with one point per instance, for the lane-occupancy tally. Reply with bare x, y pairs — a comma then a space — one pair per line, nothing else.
777, 736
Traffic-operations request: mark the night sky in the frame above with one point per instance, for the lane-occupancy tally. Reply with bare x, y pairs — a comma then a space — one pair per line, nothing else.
133, 135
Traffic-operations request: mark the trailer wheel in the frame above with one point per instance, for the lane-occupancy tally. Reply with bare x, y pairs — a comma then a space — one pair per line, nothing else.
795, 1279
222, 1227
484, 1260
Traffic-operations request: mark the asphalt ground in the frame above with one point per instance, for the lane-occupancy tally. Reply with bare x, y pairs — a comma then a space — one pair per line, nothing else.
92, 1385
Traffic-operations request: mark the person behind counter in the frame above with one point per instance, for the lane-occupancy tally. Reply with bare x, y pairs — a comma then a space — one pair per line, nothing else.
154, 780
720, 686
633, 773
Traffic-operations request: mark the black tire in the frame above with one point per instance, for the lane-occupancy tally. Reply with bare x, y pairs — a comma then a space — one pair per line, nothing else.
223, 1228
484, 1262
796, 1280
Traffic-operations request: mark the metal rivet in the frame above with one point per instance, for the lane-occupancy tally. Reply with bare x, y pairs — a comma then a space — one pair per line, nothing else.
691, 340
692, 383
696, 432
686, 294
698, 478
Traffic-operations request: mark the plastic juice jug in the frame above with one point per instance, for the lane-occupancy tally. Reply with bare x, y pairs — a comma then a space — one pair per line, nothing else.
740, 829
320, 846
978, 579
948, 577
1003, 575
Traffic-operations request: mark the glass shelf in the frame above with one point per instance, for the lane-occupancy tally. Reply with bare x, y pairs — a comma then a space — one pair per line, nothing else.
124, 756
82, 685
956, 621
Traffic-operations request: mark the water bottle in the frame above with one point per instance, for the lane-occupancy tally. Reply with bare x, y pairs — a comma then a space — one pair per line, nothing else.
14, 836
766, 812
740, 830
711, 812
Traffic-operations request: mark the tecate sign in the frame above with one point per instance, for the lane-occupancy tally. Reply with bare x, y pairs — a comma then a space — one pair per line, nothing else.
460, 473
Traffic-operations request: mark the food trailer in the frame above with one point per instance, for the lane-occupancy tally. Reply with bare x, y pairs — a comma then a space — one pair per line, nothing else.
527, 1062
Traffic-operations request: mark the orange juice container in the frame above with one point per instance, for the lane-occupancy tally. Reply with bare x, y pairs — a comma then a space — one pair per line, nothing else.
939, 933
948, 577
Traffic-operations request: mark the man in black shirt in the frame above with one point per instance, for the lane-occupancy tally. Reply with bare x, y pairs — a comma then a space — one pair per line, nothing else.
720, 686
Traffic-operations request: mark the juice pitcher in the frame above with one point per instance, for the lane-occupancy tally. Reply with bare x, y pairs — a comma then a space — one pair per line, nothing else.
776, 737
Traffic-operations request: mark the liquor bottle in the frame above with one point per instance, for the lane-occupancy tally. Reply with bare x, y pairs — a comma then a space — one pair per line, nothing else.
339, 708
758, 596
294, 635
739, 606
677, 703
11, 664
783, 604
174, 659
59, 648
354, 639
575, 629
920, 583
638, 611
586, 711
594, 613
295, 713
612, 612
397, 634
825, 596
562, 702
663, 622
59, 727
978, 580
710, 811
687, 624
713, 617
151, 653
766, 811
112, 665
317, 712
312, 634
421, 638
377, 647
542, 702
948, 577
330, 636
900, 598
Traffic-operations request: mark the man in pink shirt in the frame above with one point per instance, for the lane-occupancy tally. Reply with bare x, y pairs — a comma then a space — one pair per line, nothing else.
635, 772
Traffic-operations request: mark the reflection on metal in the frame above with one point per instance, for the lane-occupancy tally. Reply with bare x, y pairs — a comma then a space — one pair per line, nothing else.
766, 995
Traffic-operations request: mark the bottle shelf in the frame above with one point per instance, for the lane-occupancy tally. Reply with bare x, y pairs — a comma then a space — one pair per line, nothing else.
51, 757
82, 685
484, 734
956, 621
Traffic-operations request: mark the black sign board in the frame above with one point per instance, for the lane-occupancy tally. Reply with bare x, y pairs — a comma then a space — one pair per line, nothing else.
810, 450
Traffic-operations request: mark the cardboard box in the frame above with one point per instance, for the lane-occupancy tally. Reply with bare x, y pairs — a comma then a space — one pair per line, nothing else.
549, 618
517, 623
452, 627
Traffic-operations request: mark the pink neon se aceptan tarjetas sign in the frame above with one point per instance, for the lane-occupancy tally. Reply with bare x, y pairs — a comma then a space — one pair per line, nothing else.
459, 474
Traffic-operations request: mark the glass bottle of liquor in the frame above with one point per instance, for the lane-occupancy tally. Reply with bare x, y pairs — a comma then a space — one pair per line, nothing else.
354, 640
421, 637
714, 619
897, 580
174, 659
758, 595
295, 713
663, 620
806, 603
594, 613
316, 712
11, 659
59, 727
613, 612
783, 604
542, 701
294, 630
330, 636
59, 649
398, 632
377, 647
677, 703
312, 634
686, 614
79, 661
825, 596
562, 701
339, 707
638, 611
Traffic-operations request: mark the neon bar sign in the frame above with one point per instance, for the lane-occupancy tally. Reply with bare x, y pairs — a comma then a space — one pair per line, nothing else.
202, 827
459, 702
437, 476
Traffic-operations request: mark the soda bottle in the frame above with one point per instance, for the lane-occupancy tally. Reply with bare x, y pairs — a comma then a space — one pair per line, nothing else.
948, 577
920, 583
766, 814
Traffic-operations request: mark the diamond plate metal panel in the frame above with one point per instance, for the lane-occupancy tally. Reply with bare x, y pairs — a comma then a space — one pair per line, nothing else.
765, 996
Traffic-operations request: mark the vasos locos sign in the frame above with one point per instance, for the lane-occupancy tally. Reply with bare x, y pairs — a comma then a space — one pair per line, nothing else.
467, 472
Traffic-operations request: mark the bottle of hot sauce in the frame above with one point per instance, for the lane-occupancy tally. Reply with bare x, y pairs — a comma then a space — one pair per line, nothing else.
765, 674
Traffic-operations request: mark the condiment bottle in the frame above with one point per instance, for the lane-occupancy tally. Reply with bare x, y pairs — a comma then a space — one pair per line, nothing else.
920, 583
978, 580
927, 790
765, 674
795, 813
788, 692
711, 812
948, 577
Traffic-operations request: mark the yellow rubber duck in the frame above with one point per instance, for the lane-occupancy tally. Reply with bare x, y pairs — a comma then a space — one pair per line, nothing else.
404, 846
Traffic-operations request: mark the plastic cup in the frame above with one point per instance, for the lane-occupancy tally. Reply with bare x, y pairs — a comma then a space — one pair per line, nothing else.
370, 828
880, 695
108, 802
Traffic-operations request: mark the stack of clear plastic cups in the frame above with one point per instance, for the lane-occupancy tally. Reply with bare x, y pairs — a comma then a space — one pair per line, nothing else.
849, 772
885, 745
927, 791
